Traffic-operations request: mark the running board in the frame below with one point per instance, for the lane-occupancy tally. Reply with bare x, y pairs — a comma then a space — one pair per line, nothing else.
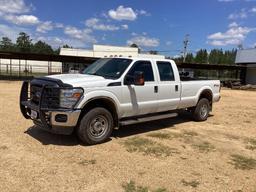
146, 119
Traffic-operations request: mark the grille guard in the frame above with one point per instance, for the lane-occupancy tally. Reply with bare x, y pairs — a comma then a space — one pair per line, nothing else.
26, 104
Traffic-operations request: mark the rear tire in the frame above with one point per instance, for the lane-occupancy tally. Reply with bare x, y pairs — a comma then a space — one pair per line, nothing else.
202, 110
96, 126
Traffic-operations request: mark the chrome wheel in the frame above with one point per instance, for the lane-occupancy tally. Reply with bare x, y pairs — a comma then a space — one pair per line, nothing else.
204, 111
98, 126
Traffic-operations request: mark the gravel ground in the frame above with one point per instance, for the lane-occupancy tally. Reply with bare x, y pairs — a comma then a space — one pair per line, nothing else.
174, 155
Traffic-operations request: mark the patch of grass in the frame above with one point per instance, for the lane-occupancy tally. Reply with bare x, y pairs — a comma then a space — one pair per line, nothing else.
172, 135
148, 147
132, 187
242, 162
165, 135
192, 183
204, 146
190, 133
87, 162
251, 144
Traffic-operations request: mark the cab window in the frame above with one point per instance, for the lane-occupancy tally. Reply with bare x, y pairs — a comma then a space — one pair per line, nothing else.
165, 71
145, 67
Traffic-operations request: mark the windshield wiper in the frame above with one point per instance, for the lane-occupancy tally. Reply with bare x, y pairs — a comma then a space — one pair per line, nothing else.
96, 74
106, 76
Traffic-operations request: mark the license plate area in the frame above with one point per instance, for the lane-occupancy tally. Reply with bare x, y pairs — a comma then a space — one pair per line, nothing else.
33, 114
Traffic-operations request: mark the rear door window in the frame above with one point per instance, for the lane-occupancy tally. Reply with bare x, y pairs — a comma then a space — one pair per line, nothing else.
165, 71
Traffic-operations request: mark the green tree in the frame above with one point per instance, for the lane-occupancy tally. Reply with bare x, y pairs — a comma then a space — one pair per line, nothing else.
57, 51
6, 44
201, 56
216, 56
190, 58
136, 46
66, 46
152, 52
42, 48
178, 59
24, 43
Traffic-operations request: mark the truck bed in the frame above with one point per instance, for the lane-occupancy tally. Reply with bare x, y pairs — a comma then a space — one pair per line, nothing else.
191, 89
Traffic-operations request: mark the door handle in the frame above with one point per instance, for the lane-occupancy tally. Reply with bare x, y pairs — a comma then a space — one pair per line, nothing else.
156, 89
176, 88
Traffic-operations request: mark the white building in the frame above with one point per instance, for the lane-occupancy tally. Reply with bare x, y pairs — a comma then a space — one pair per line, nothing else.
101, 51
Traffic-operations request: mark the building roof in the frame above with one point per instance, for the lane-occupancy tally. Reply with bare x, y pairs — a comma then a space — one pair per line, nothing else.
45, 57
246, 56
102, 51
210, 66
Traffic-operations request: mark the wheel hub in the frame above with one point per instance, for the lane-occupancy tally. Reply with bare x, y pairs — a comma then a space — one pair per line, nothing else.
98, 126
204, 111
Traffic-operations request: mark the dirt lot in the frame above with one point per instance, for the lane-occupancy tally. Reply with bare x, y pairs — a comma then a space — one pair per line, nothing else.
167, 155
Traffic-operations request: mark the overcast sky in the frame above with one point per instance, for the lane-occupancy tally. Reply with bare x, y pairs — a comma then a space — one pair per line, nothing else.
153, 25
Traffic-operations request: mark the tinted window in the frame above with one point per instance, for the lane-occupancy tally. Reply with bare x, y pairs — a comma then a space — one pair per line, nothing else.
145, 67
165, 71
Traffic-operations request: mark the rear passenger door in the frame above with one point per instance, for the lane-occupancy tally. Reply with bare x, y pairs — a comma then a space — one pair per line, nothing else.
168, 87
139, 100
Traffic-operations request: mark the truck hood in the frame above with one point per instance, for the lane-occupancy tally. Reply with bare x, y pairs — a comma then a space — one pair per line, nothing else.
81, 80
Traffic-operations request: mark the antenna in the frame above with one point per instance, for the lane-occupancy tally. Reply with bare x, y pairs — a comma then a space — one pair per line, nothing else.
185, 43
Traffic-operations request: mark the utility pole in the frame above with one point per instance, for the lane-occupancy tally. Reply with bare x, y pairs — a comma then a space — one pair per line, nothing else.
185, 43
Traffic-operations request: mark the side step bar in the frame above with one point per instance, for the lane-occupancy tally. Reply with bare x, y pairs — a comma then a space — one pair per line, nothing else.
146, 119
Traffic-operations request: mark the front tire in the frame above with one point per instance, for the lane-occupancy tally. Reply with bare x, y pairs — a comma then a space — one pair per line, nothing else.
202, 110
96, 126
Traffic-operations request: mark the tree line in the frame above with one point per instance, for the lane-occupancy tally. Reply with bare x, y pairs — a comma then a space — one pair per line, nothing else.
215, 56
24, 44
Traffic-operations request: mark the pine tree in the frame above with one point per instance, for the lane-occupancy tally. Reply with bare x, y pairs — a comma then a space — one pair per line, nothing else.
201, 56
189, 58
42, 48
6, 44
24, 43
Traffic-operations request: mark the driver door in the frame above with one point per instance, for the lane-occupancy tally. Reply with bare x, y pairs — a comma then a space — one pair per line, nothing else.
140, 100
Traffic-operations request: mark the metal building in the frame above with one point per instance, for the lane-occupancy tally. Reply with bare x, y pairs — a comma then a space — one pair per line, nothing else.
247, 57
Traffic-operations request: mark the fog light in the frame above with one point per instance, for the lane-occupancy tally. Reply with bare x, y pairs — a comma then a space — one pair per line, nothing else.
61, 118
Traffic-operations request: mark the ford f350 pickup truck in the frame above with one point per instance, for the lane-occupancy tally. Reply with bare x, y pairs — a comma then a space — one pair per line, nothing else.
113, 92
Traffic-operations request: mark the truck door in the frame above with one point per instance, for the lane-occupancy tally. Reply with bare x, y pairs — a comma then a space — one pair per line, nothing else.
168, 86
139, 100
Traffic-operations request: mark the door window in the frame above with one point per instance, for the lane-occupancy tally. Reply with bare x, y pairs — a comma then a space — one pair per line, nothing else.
145, 67
165, 71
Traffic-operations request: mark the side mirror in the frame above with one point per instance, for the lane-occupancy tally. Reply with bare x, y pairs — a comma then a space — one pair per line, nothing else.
139, 78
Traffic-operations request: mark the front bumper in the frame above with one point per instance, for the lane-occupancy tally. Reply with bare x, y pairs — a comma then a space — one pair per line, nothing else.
59, 121
64, 128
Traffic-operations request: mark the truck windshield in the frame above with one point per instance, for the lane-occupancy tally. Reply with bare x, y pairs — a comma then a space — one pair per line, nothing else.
111, 68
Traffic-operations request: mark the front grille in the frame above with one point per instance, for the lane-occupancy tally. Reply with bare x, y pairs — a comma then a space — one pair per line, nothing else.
35, 92
50, 97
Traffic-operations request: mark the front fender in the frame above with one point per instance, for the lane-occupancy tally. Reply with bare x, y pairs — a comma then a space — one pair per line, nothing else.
101, 94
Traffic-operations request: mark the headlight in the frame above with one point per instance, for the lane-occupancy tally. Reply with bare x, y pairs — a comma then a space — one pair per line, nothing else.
70, 97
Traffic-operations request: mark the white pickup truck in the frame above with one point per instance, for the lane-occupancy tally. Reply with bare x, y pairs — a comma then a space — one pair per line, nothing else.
113, 92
